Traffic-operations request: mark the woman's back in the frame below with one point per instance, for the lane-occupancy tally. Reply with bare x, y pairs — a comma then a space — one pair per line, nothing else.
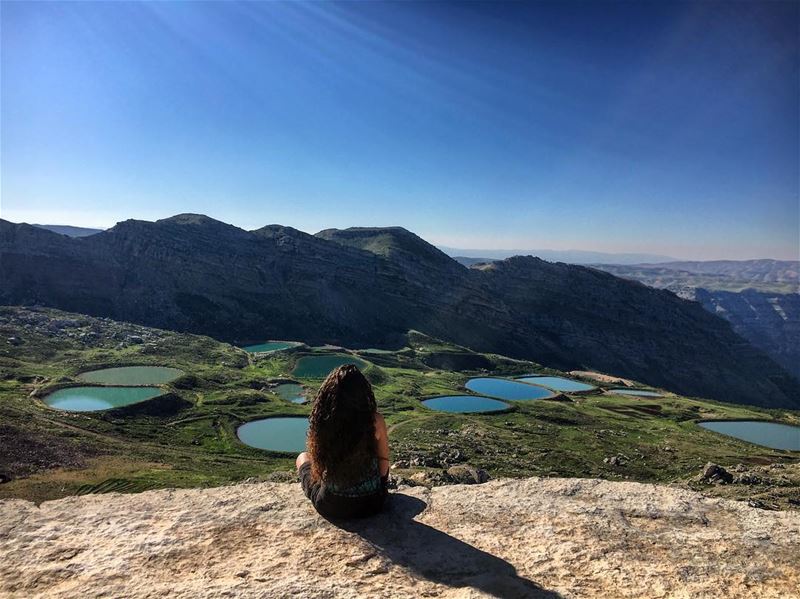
345, 470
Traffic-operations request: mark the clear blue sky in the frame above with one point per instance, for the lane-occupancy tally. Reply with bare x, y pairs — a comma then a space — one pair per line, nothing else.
658, 127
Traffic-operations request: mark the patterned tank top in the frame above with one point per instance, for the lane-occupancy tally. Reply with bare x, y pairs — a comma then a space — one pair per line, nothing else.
369, 484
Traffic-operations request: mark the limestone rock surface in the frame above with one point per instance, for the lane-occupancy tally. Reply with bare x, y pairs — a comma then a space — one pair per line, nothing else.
506, 538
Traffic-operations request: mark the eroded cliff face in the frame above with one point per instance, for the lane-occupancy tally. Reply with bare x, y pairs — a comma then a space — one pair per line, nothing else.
506, 538
369, 287
770, 321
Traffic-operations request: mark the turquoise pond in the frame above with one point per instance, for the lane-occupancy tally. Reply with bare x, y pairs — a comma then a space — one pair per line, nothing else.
636, 392
318, 367
768, 434
558, 383
291, 392
276, 434
465, 404
92, 399
270, 346
507, 389
132, 375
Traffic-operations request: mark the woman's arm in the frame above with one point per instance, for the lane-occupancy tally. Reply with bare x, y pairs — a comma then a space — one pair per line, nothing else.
382, 444
302, 459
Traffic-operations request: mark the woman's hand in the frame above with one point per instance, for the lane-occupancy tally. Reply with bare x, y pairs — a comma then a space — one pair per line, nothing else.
382, 444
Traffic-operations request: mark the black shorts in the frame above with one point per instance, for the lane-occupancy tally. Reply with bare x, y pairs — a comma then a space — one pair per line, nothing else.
331, 505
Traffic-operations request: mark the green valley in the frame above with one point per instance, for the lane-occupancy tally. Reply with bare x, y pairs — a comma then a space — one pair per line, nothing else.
186, 437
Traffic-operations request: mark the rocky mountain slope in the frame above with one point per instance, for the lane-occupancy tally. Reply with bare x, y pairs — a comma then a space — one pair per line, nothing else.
760, 298
530, 538
369, 287
770, 321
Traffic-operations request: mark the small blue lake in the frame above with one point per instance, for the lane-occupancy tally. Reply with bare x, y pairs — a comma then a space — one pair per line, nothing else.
92, 399
465, 404
769, 434
636, 392
318, 367
507, 389
286, 433
558, 383
270, 346
291, 392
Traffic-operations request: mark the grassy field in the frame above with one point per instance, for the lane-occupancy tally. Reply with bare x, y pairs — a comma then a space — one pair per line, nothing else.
48, 453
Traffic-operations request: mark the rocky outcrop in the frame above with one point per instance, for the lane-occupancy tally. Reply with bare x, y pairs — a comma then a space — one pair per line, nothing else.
525, 538
714, 473
368, 287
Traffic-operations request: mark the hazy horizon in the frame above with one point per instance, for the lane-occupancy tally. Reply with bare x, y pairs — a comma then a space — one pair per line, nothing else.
657, 128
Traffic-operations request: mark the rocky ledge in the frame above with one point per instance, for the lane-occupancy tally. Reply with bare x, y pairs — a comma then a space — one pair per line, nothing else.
506, 538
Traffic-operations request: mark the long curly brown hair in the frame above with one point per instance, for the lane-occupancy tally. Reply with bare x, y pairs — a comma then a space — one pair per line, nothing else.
341, 435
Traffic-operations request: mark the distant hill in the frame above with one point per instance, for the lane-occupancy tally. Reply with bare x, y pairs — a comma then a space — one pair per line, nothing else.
69, 230
777, 276
368, 287
465, 261
568, 256
765, 270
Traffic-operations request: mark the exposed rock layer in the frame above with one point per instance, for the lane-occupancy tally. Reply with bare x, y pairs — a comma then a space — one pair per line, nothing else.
369, 287
522, 538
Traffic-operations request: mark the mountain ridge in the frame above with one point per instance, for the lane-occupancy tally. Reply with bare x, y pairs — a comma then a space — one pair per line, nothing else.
204, 276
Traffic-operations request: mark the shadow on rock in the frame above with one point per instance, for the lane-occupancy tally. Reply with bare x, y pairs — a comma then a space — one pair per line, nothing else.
437, 556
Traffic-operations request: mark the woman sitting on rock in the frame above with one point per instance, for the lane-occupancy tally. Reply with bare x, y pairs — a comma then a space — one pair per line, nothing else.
345, 470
